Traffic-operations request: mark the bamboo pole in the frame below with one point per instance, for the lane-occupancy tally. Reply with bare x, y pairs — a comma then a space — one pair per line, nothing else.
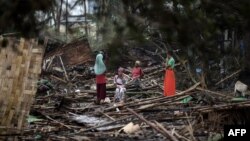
238, 71
158, 99
214, 93
106, 115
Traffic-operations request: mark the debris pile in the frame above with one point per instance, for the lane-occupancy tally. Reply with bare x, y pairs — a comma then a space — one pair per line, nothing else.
192, 114
65, 109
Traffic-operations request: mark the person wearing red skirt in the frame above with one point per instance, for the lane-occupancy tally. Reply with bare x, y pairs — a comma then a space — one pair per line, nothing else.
100, 69
100, 88
169, 80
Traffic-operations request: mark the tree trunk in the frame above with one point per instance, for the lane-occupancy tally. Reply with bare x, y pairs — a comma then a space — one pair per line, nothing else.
59, 17
54, 17
85, 15
66, 28
247, 52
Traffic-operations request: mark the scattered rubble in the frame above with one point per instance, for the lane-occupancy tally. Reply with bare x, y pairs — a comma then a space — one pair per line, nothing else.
66, 111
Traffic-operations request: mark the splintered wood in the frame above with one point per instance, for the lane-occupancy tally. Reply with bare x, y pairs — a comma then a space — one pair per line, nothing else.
20, 66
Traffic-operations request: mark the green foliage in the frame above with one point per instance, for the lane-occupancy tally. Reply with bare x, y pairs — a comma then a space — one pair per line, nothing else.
21, 15
197, 26
115, 53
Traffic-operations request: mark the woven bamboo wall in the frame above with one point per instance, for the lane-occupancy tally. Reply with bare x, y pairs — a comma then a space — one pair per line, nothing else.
20, 66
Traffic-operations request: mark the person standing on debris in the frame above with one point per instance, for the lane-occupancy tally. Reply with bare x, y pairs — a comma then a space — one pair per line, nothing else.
169, 80
100, 69
137, 74
120, 80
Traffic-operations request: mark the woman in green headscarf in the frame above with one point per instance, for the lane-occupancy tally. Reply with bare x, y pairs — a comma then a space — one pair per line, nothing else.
100, 70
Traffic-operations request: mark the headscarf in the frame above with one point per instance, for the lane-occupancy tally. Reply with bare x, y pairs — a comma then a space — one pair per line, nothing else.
120, 69
137, 63
99, 67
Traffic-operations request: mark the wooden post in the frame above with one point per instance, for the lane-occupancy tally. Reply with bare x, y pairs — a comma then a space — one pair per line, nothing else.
65, 72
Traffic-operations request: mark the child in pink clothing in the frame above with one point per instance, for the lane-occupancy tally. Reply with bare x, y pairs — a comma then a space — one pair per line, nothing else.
137, 74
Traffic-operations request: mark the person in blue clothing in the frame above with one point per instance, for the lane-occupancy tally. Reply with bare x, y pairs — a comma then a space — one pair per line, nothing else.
100, 69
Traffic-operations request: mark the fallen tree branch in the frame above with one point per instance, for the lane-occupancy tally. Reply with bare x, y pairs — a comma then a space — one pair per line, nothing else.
57, 78
163, 128
181, 137
128, 92
215, 93
166, 134
189, 89
158, 99
65, 72
222, 107
106, 115
57, 122
238, 71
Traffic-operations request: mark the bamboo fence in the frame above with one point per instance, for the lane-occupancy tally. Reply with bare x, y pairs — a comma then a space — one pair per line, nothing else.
20, 67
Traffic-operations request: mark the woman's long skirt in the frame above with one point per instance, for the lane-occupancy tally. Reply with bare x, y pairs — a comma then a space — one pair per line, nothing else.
101, 91
169, 83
